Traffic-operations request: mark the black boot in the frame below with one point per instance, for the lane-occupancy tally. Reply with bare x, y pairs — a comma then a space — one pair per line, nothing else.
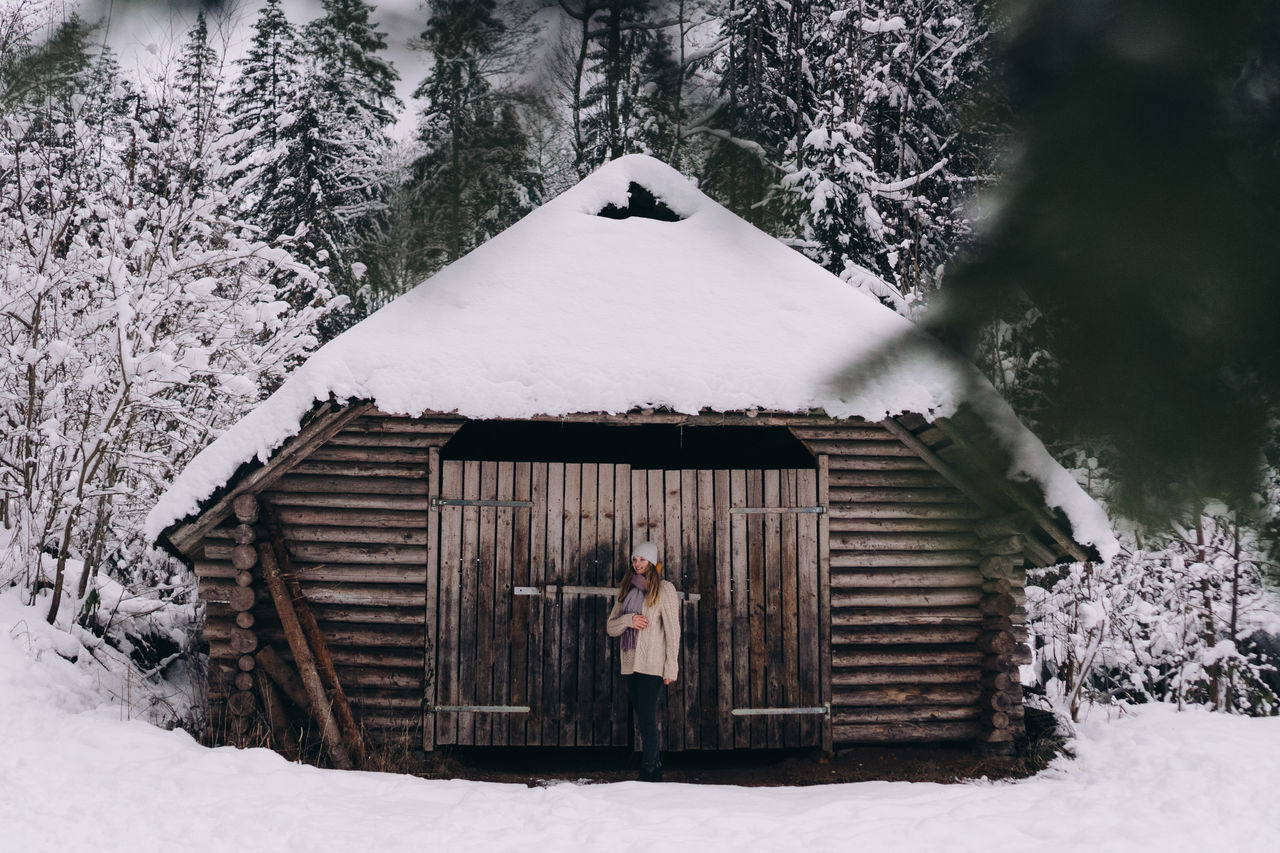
651, 774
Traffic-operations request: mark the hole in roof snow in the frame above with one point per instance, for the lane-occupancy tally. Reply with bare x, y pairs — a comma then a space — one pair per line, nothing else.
641, 203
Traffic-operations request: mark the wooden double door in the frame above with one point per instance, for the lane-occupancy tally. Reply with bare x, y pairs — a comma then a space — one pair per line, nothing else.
523, 565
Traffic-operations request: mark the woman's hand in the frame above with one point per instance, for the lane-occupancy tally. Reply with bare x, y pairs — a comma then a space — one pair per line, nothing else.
667, 680
638, 622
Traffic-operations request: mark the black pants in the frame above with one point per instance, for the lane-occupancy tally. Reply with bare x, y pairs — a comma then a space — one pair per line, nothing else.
643, 690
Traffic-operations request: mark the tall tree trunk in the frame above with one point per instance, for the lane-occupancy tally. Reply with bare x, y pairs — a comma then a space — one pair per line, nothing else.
1209, 634
613, 78
673, 156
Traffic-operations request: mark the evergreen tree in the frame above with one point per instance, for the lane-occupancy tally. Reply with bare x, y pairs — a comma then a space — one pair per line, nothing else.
1139, 220
349, 75
925, 65
340, 141
840, 133
653, 109
832, 173
621, 36
474, 176
193, 100
199, 78
750, 128
312, 208
261, 105
276, 175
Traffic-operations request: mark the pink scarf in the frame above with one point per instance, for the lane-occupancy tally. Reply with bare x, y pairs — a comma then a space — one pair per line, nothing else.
633, 603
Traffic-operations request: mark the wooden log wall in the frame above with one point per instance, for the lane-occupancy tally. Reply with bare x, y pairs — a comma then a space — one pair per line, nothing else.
353, 514
906, 590
983, 460
925, 596
1001, 699
243, 641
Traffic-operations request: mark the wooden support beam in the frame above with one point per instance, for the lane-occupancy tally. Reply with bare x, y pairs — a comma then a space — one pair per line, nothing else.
281, 736
824, 598
317, 700
432, 585
963, 483
279, 671
948, 472
315, 638
1042, 518
320, 650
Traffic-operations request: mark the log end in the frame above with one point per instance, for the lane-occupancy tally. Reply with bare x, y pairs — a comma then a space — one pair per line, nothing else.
242, 598
246, 508
244, 557
240, 703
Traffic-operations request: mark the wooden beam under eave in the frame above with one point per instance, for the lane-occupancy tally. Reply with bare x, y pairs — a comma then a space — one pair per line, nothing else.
703, 418
1037, 551
327, 422
1041, 516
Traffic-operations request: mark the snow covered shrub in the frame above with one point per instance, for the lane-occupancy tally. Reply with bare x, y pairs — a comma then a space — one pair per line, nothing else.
1155, 624
137, 318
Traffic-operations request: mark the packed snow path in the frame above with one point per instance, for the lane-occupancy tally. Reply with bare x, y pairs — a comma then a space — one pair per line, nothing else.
74, 778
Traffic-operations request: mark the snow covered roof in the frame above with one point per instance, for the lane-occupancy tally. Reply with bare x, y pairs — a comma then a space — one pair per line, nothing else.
568, 311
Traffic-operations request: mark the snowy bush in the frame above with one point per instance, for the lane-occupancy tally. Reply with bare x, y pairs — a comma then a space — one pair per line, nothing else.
137, 319
1158, 623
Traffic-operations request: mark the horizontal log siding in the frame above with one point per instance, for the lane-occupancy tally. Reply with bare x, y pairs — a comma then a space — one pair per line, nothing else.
905, 589
938, 441
904, 581
354, 514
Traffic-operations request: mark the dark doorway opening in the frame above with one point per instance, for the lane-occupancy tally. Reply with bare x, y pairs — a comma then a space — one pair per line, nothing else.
652, 446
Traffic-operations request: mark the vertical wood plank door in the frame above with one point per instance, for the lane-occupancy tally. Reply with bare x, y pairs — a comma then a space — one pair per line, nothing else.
741, 547
769, 620
527, 558
523, 571
589, 528
482, 632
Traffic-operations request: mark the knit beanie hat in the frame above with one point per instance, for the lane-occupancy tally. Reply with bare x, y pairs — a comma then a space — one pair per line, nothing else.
648, 550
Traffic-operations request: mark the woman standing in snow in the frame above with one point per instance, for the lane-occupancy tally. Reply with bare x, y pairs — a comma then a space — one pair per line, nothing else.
646, 614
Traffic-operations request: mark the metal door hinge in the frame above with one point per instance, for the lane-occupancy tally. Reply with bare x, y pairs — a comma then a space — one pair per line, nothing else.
483, 709
823, 710
436, 503
750, 510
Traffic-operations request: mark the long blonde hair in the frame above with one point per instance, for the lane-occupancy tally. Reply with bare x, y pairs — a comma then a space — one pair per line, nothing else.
653, 581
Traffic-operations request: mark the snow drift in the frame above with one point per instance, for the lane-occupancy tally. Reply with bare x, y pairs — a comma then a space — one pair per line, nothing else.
78, 777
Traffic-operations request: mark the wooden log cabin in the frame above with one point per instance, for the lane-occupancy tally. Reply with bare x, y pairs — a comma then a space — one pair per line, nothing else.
449, 506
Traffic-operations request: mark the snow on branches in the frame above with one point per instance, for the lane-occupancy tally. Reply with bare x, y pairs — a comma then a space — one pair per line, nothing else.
1169, 622
137, 317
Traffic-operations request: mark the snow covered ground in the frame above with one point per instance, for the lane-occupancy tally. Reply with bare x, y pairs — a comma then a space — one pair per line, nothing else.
75, 776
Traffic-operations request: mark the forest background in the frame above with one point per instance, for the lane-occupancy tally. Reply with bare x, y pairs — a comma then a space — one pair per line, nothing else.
173, 241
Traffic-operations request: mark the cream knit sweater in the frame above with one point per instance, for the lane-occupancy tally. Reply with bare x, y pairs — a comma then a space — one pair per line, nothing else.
657, 650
